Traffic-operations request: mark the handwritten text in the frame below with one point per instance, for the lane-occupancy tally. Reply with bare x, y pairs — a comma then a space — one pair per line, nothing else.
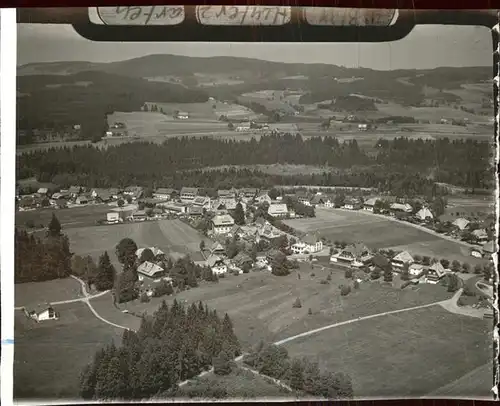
243, 15
145, 15
348, 16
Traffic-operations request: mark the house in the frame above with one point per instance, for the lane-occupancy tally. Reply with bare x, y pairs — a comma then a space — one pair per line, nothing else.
82, 199
416, 270
113, 218
401, 259
369, 205
354, 254
304, 198
188, 194
43, 313
139, 215
242, 260
269, 232
193, 210
243, 126
310, 244
75, 190
216, 264
263, 197
135, 192
102, 195
329, 201
43, 191
461, 223
278, 210
222, 224
227, 193
481, 235
150, 271
60, 195
174, 207
352, 204
202, 201
181, 115
424, 214
318, 200
362, 127
401, 208
228, 203
218, 249
435, 272
163, 193
476, 252
248, 194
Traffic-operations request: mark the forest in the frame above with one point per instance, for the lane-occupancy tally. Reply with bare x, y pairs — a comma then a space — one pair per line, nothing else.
85, 98
401, 166
175, 344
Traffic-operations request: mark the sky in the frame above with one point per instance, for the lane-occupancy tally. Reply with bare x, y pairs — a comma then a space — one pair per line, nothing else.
426, 47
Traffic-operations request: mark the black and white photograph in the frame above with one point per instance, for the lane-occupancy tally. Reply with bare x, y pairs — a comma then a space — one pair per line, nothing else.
253, 220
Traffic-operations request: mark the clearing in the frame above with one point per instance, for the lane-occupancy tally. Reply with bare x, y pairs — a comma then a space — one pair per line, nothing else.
409, 354
49, 356
379, 233
32, 294
171, 236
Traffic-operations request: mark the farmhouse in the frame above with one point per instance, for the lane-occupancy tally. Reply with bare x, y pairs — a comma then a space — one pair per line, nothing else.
401, 208
369, 205
139, 215
248, 194
194, 210
318, 200
461, 223
329, 201
148, 271
242, 260
304, 198
188, 194
227, 193
481, 235
435, 273
156, 251
102, 195
43, 191
163, 193
202, 201
82, 199
355, 254
268, 232
310, 244
74, 191
278, 210
416, 269
222, 224
401, 259
216, 264
135, 192
218, 249
174, 207
243, 127
352, 204
113, 218
181, 115
42, 314
263, 197
424, 214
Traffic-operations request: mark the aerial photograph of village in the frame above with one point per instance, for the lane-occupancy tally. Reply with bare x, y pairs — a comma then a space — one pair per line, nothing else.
250, 222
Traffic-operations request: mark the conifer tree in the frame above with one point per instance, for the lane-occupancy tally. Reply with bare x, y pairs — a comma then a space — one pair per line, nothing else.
105, 277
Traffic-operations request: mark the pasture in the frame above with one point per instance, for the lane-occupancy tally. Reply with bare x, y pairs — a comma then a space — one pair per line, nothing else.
69, 218
408, 354
49, 356
379, 233
32, 294
260, 304
171, 236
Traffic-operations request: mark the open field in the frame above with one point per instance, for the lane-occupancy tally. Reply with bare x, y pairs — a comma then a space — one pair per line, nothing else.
240, 384
380, 233
171, 236
32, 294
49, 356
69, 218
409, 354
260, 304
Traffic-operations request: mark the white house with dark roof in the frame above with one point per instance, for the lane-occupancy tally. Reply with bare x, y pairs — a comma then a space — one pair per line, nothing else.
188, 194
263, 197
369, 205
135, 192
163, 193
461, 223
401, 259
202, 201
310, 244
353, 254
222, 224
278, 210
401, 208
149, 271
216, 264
42, 313
416, 270
481, 235
435, 273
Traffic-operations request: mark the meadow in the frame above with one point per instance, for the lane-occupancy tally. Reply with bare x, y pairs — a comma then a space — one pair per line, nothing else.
403, 355
49, 356
32, 294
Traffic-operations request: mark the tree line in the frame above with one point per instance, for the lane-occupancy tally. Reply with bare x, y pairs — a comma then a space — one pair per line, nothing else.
175, 344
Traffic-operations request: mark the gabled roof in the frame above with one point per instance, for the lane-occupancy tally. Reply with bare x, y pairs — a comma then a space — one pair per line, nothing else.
424, 213
190, 190
149, 269
164, 191
480, 233
356, 249
311, 238
242, 258
74, 189
277, 208
461, 223
154, 250
223, 220
402, 207
201, 200
218, 247
317, 199
438, 268
213, 260
371, 202
404, 256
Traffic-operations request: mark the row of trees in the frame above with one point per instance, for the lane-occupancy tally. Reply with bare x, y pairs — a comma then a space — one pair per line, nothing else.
302, 375
175, 344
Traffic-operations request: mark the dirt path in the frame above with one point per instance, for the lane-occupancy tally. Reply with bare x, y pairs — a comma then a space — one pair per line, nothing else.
453, 307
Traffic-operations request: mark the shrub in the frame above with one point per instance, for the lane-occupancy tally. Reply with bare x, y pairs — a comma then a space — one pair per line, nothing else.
163, 288
455, 266
345, 290
356, 285
297, 304
465, 267
145, 298
329, 277
478, 269
418, 259
348, 273
323, 282
468, 291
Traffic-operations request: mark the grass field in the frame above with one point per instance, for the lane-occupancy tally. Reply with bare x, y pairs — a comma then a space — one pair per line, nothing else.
260, 304
171, 236
240, 384
409, 354
39, 293
377, 233
69, 218
49, 356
